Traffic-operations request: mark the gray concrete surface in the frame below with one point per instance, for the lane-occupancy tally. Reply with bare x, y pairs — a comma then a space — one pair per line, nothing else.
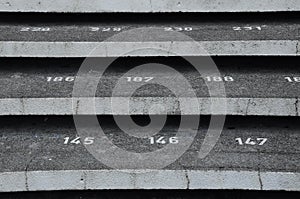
252, 77
111, 180
83, 49
148, 6
259, 87
231, 37
142, 106
34, 157
199, 29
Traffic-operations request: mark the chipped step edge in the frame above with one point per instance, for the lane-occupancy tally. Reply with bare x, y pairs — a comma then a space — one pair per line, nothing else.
102, 6
175, 48
147, 179
142, 105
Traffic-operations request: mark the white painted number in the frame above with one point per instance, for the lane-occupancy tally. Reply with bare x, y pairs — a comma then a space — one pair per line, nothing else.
248, 28
77, 140
250, 141
162, 140
106, 29
60, 79
34, 29
292, 79
219, 79
178, 29
139, 79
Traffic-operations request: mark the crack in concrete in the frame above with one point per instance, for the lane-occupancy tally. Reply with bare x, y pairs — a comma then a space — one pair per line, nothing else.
26, 181
77, 106
258, 172
84, 179
22, 105
187, 179
247, 106
296, 106
297, 48
260, 180
26, 176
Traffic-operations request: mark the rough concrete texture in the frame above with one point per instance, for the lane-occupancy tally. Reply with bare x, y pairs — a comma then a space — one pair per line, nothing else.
148, 6
169, 28
34, 157
258, 87
157, 179
280, 181
142, 106
12, 181
259, 77
110, 49
220, 37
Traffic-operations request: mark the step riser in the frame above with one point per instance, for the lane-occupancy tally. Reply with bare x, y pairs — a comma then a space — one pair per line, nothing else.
96, 6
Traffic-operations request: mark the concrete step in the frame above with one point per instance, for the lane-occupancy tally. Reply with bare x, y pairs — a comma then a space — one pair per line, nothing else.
164, 38
260, 86
37, 154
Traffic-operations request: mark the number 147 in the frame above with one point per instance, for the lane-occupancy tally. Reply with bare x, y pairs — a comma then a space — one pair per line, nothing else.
250, 141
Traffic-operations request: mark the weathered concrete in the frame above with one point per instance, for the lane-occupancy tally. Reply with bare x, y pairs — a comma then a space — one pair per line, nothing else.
148, 6
220, 37
142, 106
110, 49
259, 77
153, 29
255, 88
157, 179
12, 181
34, 157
